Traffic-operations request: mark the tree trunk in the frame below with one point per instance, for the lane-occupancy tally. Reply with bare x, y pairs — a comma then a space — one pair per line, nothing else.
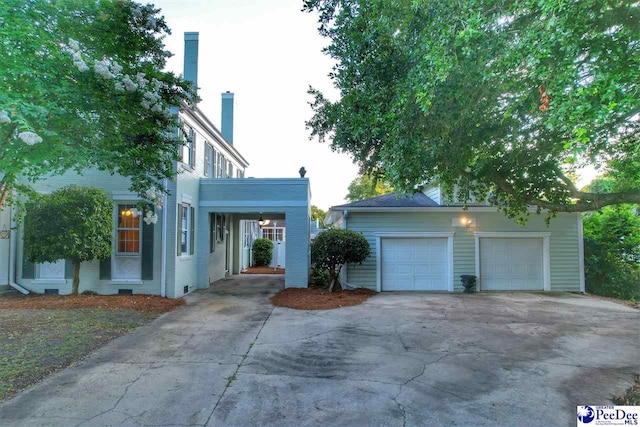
334, 280
76, 277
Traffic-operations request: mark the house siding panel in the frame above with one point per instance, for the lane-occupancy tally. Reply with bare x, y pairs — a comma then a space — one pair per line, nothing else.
565, 272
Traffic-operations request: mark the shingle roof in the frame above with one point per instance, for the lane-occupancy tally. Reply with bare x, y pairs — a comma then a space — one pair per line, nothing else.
392, 200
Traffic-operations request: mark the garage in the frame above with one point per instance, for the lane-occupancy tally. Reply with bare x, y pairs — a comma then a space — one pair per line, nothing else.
511, 264
414, 264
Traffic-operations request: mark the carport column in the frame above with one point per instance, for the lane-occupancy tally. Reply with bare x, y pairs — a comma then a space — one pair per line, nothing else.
297, 249
202, 249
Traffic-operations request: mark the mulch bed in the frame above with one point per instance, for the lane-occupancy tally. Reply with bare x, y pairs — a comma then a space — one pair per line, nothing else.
319, 299
145, 303
263, 270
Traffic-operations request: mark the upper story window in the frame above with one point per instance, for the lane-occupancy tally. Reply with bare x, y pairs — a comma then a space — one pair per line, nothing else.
188, 153
209, 160
230, 170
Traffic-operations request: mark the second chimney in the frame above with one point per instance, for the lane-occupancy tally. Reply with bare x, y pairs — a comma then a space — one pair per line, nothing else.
227, 116
191, 58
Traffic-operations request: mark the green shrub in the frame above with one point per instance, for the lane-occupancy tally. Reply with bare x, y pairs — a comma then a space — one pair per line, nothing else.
319, 277
333, 248
262, 252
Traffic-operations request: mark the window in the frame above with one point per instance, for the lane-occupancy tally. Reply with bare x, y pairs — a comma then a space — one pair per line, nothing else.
220, 228
223, 172
188, 154
230, 170
186, 234
209, 155
270, 233
128, 231
239, 173
212, 233
219, 166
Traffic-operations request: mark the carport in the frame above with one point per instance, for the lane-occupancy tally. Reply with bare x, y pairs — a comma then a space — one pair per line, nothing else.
226, 202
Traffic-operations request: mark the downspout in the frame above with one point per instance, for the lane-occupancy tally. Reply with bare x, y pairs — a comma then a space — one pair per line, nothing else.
13, 248
163, 259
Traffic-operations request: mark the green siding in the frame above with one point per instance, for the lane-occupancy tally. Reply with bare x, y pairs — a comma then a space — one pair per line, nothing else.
565, 271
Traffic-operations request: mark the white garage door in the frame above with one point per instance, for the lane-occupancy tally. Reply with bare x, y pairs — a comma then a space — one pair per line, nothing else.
511, 264
414, 264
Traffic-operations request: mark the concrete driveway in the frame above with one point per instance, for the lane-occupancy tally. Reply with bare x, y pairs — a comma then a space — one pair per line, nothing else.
229, 358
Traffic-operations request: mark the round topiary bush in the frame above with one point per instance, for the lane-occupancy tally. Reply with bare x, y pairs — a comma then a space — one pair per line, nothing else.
262, 252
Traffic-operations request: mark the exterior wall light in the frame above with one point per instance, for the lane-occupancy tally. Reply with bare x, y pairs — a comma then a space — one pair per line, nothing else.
463, 221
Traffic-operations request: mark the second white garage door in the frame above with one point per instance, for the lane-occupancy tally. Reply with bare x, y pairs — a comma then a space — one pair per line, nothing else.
511, 264
418, 264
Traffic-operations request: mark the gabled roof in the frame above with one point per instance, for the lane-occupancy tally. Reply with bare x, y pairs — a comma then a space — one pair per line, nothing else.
392, 200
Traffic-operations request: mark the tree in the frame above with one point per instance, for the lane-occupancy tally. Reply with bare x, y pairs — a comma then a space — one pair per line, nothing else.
318, 214
612, 247
83, 86
333, 248
503, 99
73, 223
262, 252
367, 186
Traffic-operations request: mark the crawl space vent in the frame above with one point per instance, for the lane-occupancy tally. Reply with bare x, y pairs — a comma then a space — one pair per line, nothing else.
125, 291
51, 291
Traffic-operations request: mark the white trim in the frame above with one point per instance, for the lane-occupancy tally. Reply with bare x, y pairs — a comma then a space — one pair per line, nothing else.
49, 282
512, 234
186, 198
163, 246
125, 282
125, 196
254, 181
459, 209
254, 204
546, 251
583, 287
433, 235
410, 234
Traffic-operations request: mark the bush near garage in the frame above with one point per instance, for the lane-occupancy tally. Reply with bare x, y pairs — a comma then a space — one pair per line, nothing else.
262, 252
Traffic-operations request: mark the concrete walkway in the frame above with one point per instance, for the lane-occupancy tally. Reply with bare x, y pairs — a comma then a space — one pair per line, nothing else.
400, 359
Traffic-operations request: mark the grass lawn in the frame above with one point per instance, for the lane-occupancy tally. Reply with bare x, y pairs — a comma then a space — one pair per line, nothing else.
50, 335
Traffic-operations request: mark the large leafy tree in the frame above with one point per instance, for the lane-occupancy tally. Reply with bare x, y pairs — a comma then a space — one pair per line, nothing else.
500, 99
83, 86
73, 223
367, 186
318, 214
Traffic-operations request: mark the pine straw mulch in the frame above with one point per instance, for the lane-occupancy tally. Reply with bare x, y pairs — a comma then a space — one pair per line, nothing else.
632, 396
263, 270
319, 298
144, 303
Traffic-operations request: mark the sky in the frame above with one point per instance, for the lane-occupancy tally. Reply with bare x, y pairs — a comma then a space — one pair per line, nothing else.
267, 53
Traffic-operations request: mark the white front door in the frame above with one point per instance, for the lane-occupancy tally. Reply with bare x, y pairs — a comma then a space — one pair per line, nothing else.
127, 262
511, 264
415, 264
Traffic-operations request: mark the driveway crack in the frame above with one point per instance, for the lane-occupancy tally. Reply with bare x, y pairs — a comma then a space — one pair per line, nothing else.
233, 376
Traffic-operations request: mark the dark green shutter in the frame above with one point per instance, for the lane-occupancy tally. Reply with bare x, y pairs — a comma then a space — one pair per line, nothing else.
192, 231
68, 269
105, 269
147, 251
179, 228
28, 268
